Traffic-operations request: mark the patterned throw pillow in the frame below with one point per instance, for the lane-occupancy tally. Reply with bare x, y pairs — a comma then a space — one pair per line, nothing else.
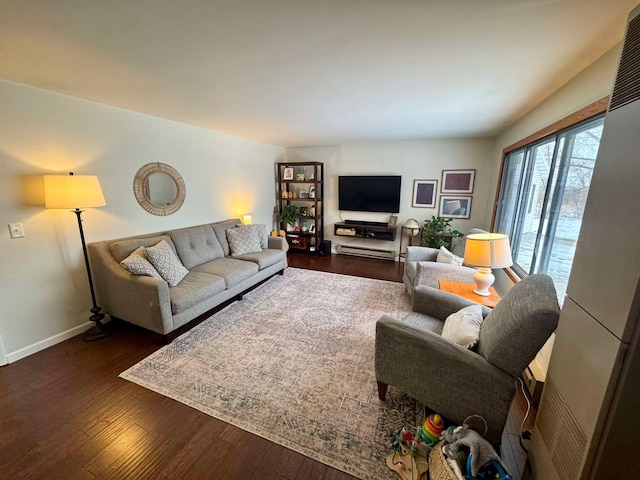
463, 326
138, 264
261, 229
167, 263
445, 256
243, 240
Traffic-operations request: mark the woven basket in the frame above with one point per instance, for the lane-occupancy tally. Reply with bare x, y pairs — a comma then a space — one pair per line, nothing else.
438, 467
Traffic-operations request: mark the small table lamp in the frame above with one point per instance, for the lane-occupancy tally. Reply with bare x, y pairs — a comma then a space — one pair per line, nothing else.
79, 191
246, 219
487, 251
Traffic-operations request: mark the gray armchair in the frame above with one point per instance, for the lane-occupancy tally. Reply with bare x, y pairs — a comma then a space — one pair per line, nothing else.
452, 380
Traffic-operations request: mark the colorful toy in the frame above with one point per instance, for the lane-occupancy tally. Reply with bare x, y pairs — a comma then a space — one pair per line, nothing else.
432, 429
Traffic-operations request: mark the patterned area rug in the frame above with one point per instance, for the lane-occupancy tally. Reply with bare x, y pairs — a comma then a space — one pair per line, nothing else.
293, 362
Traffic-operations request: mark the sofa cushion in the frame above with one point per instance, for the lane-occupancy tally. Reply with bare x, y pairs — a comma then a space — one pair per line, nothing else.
233, 271
121, 249
463, 326
196, 245
193, 289
243, 240
261, 230
166, 262
220, 230
264, 258
138, 264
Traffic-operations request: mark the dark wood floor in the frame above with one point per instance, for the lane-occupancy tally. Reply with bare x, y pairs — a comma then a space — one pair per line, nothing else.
67, 415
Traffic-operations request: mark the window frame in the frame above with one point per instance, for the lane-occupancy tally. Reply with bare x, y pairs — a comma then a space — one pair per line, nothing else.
589, 112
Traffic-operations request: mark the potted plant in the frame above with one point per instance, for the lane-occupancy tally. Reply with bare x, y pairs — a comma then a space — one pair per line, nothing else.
437, 233
288, 216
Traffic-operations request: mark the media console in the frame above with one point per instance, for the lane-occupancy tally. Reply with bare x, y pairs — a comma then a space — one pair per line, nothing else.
372, 230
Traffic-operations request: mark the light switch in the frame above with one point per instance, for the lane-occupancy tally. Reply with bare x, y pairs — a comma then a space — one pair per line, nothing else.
16, 230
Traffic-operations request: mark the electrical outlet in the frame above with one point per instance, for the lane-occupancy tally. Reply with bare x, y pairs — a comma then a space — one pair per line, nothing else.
16, 230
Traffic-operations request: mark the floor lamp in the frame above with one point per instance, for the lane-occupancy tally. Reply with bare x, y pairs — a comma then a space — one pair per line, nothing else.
76, 192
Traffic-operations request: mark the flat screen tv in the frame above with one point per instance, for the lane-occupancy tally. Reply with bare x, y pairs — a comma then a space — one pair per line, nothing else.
371, 193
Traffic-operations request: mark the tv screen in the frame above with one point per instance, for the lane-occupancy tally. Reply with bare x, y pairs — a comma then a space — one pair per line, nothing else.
369, 193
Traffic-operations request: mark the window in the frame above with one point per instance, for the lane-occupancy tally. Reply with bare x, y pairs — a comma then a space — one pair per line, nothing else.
542, 197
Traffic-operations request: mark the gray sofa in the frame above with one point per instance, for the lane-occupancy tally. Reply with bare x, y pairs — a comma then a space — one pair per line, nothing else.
214, 276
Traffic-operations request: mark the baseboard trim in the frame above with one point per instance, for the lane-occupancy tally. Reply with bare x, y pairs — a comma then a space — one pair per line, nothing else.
47, 342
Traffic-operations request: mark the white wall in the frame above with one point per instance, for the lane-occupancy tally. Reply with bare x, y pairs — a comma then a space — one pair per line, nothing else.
411, 159
44, 292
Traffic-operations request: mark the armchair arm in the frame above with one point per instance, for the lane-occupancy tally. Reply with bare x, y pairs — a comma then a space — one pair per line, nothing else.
428, 273
436, 303
446, 377
277, 243
421, 254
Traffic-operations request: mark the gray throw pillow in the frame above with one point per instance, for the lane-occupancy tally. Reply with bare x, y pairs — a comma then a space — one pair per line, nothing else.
138, 264
166, 262
261, 230
243, 240
463, 327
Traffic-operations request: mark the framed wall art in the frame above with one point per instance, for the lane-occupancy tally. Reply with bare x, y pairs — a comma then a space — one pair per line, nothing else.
424, 193
458, 181
455, 206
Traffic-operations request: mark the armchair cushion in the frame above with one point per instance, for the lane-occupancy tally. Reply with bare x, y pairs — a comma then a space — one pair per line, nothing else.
463, 327
445, 256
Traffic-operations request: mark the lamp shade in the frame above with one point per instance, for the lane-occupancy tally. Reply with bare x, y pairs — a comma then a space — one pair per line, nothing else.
488, 250
72, 191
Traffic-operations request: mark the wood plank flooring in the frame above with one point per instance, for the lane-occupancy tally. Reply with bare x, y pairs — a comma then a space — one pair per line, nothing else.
67, 415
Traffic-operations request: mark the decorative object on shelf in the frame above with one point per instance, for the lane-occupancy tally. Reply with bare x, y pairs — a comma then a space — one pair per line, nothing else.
288, 215
424, 193
458, 181
246, 219
437, 233
305, 226
311, 176
79, 191
300, 177
393, 221
312, 228
312, 192
290, 194
303, 211
312, 211
487, 251
287, 174
304, 194
284, 194
159, 188
295, 194
455, 206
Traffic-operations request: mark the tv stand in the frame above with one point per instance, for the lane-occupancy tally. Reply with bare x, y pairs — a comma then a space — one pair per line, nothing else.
370, 224
371, 230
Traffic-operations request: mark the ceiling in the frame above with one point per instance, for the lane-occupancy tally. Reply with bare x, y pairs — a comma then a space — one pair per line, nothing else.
300, 72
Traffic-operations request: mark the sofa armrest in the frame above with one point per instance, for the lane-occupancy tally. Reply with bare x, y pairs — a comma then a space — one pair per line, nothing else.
421, 254
278, 243
450, 379
138, 299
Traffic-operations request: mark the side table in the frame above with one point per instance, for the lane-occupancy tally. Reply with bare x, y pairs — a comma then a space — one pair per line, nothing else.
466, 290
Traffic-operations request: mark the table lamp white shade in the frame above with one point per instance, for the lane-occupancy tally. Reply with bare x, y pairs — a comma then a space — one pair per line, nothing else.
72, 191
487, 251
246, 219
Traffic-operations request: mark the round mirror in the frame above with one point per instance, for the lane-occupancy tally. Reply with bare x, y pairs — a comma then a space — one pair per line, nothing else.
159, 188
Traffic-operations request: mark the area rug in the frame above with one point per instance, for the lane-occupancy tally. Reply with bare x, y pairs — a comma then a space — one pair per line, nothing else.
293, 362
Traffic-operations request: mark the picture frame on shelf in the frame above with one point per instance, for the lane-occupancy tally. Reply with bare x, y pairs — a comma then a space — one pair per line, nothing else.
458, 181
287, 173
424, 193
312, 192
312, 228
304, 194
455, 206
303, 211
393, 221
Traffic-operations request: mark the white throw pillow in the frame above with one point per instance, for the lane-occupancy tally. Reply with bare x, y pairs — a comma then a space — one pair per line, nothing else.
138, 264
445, 256
463, 327
261, 230
243, 240
166, 262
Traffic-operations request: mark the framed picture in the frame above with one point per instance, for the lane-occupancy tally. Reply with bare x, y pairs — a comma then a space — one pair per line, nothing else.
424, 193
393, 221
312, 192
458, 181
455, 206
303, 211
287, 174
300, 177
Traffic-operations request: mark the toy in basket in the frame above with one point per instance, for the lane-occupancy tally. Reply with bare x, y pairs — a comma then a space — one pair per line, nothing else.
481, 462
